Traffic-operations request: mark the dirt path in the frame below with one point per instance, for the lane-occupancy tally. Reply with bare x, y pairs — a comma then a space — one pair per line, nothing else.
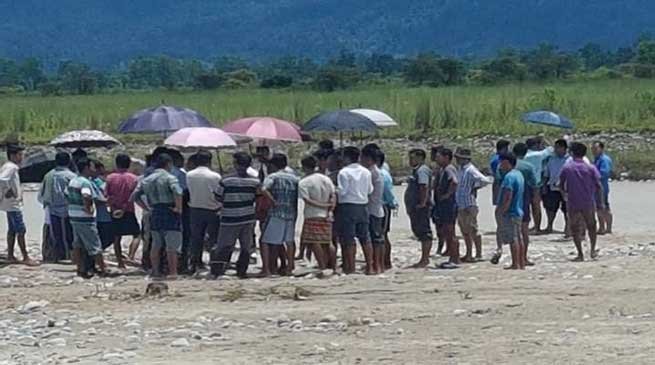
556, 312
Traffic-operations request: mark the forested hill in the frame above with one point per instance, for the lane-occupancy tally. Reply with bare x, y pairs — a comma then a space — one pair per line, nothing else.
106, 32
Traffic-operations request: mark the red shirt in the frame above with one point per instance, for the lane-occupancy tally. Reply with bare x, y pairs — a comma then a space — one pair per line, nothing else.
119, 187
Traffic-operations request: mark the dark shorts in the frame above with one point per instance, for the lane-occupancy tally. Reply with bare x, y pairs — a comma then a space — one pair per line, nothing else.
386, 228
162, 218
15, 223
509, 230
445, 212
127, 225
527, 205
106, 233
420, 222
376, 230
554, 201
352, 222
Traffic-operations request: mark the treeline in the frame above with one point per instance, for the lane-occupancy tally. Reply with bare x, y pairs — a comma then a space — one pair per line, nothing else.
347, 70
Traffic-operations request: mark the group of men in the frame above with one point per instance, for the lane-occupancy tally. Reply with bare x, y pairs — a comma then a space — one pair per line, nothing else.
347, 196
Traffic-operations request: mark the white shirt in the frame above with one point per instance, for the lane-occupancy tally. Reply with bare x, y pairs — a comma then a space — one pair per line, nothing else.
318, 188
202, 184
10, 181
354, 184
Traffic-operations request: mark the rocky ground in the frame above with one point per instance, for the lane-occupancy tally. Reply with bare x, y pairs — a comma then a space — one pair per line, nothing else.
555, 312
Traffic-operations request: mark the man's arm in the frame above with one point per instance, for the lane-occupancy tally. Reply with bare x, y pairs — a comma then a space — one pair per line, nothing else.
507, 201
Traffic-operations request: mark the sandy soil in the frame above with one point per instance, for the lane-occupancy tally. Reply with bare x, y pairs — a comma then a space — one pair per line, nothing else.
557, 312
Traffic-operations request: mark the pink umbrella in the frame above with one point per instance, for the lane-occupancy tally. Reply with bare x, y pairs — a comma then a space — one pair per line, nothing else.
200, 137
265, 129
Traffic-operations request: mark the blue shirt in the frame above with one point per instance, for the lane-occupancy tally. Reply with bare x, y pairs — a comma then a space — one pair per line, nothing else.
604, 166
102, 211
493, 163
513, 182
388, 199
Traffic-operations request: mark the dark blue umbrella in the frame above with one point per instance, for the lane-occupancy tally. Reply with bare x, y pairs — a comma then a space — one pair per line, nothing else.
163, 119
548, 118
340, 121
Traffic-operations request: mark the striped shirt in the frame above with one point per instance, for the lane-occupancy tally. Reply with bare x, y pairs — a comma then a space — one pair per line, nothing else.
283, 186
53, 191
470, 180
237, 194
78, 189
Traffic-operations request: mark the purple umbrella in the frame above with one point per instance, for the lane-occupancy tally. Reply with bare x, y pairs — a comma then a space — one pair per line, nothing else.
163, 119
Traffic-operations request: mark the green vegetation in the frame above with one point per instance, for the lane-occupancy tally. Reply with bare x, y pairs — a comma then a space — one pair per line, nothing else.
621, 105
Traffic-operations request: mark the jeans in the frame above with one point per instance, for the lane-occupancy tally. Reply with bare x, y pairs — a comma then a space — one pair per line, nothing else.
205, 222
227, 238
62, 237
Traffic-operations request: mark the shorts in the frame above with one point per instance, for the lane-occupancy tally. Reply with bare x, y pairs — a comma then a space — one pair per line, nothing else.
527, 205
127, 225
376, 230
579, 220
106, 233
15, 223
445, 212
172, 240
419, 219
509, 230
316, 231
468, 220
279, 231
85, 235
352, 222
386, 227
554, 201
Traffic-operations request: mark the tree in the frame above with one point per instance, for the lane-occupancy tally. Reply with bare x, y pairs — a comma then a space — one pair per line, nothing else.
226, 64
593, 56
425, 70
9, 75
330, 78
76, 77
453, 70
504, 68
382, 64
276, 82
646, 52
31, 73
209, 81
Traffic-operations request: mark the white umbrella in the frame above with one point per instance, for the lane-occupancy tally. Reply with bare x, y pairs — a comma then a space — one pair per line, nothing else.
84, 139
381, 119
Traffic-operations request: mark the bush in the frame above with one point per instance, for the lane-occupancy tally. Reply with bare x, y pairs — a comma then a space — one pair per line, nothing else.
276, 82
209, 81
50, 88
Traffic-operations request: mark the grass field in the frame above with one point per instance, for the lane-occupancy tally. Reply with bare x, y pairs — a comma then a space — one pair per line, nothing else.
623, 105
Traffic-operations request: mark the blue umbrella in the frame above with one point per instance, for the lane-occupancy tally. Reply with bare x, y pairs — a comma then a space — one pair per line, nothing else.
163, 119
548, 118
340, 121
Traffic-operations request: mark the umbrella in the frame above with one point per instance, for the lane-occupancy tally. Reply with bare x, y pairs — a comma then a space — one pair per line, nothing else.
200, 137
340, 121
548, 118
163, 119
264, 129
381, 119
36, 164
84, 139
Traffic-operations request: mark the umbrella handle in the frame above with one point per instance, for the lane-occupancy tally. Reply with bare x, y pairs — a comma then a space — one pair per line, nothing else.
218, 158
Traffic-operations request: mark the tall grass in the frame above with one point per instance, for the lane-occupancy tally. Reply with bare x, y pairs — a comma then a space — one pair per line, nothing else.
625, 105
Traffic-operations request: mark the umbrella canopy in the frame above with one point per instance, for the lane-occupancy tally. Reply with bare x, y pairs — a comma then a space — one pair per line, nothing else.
200, 137
84, 139
36, 164
548, 118
264, 129
163, 119
381, 119
340, 121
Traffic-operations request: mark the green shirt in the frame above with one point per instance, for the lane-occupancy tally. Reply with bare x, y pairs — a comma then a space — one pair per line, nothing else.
160, 187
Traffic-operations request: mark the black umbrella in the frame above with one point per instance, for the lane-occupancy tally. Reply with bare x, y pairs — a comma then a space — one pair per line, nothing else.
163, 119
340, 121
36, 164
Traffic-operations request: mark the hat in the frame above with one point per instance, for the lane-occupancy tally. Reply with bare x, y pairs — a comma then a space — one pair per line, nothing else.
464, 153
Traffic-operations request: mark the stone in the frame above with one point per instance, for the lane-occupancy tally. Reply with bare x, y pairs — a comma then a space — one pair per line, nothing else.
329, 318
28, 341
132, 325
459, 312
32, 306
180, 342
112, 356
59, 342
282, 319
571, 330
51, 334
367, 320
95, 320
400, 331
90, 332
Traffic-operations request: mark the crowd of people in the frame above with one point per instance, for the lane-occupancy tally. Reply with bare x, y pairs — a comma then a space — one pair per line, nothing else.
348, 199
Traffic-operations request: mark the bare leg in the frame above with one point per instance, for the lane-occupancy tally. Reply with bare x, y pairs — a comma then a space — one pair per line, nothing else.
118, 251
100, 263
319, 254
155, 257
515, 250
367, 248
348, 257
591, 228
453, 244
426, 247
468, 241
551, 220
265, 252
525, 233
387, 252
609, 220
290, 252
577, 240
536, 213
11, 243
378, 258
134, 246
478, 246
330, 253
77, 252
171, 257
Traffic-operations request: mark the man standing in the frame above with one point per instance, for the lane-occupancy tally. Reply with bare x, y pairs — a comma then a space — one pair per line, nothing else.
119, 187
318, 193
53, 197
470, 180
353, 189
530, 189
417, 203
604, 166
502, 146
375, 206
237, 194
582, 184
203, 183
390, 205
81, 195
510, 210
11, 201
553, 198
164, 196
446, 206
536, 157
281, 188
